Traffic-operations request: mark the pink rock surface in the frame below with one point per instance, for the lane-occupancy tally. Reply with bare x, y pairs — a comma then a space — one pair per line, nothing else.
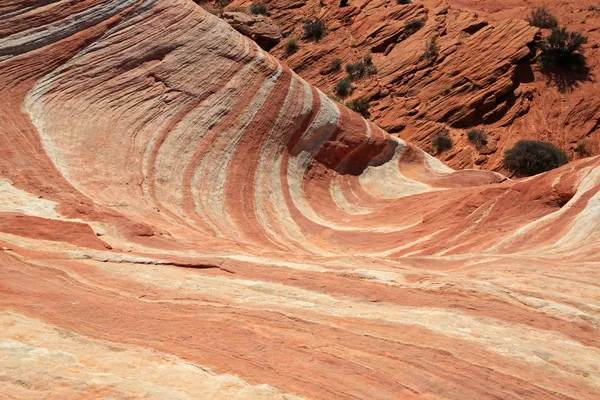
182, 216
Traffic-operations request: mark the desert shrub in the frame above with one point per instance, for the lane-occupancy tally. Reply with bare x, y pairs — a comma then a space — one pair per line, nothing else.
413, 25
223, 3
403, 1
259, 9
361, 106
532, 157
290, 47
441, 142
314, 29
343, 88
542, 18
336, 65
563, 49
431, 49
477, 137
583, 149
362, 68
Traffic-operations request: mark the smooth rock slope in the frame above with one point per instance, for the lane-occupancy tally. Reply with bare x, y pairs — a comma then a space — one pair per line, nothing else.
182, 216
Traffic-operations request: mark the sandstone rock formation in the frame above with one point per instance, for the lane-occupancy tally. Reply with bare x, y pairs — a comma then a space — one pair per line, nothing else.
259, 28
484, 74
183, 217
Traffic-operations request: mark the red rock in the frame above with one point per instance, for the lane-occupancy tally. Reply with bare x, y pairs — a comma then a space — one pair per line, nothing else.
182, 216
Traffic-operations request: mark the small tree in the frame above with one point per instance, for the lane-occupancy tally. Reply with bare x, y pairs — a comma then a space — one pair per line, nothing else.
542, 18
441, 142
563, 49
360, 106
343, 88
259, 9
477, 137
290, 47
314, 29
532, 157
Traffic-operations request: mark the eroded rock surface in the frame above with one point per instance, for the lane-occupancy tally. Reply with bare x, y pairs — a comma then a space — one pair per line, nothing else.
259, 28
182, 217
484, 74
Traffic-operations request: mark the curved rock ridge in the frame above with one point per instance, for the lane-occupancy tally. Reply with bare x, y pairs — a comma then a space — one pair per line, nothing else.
182, 216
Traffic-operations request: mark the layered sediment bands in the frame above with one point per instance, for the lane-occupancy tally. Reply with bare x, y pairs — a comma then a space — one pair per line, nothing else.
472, 64
182, 216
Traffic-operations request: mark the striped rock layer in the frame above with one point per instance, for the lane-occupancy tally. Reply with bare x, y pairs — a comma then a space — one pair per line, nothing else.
181, 217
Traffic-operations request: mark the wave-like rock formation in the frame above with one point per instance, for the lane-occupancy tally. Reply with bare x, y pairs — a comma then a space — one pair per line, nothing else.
182, 216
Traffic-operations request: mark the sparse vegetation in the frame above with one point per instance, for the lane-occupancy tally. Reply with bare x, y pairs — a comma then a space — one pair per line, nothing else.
413, 25
477, 137
542, 18
563, 49
532, 157
361, 106
314, 29
361, 69
343, 88
290, 47
259, 9
431, 49
441, 142
403, 1
336, 65
583, 149
343, 3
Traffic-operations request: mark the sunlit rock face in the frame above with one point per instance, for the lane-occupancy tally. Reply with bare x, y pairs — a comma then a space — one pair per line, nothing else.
182, 217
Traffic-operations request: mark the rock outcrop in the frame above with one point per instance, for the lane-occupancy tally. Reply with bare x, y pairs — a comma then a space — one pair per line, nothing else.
481, 73
182, 216
259, 28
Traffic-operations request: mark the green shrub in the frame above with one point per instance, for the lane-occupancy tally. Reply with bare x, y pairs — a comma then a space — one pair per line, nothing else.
413, 25
343, 88
441, 142
532, 157
477, 137
542, 18
290, 47
336, 65
314, 29
360, 106
563, 49
259, 9
361, 69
